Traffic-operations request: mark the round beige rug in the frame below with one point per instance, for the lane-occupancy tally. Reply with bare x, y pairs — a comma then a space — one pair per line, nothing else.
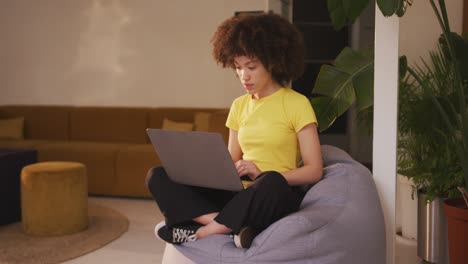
105, 225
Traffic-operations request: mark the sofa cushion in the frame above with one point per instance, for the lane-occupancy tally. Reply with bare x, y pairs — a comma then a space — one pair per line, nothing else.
177, 114
109, 124
41, 122
12, 128
217, 124
133, 163
24, 144
201, 121
212, 122
157, 115
99, 159
179, 126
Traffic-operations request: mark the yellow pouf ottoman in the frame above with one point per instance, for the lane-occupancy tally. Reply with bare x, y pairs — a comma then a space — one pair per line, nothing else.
54, 198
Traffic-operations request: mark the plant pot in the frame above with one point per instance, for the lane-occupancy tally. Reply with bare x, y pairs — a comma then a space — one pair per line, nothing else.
432, 231
457, 222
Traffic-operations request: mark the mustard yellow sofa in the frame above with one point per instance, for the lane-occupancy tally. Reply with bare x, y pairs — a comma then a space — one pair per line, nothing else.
111, 141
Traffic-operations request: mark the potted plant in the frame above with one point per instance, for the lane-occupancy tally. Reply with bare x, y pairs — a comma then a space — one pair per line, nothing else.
440, 149
448, 96
424, 154
423, 131
350, 80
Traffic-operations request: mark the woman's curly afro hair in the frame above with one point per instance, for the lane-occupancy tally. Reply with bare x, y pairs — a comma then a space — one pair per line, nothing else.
268, 37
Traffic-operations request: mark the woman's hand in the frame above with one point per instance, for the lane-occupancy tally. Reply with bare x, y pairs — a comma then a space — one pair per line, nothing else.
245, 167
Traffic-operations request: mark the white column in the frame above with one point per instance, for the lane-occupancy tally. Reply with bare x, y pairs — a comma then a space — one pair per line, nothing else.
385, 120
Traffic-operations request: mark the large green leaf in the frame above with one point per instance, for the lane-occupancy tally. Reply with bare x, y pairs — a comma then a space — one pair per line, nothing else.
351, 79
354, 8
364, 88
359, 66
337, 13
403, 7
342, 10
352, 61
389, 7
338, 95
326, 111
335, 83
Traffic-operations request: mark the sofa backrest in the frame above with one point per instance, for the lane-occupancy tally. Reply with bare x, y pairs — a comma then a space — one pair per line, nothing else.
204, 119
109, 124
41, 121
177, 114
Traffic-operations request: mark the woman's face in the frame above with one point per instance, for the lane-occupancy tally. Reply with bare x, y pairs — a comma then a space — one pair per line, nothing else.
256, 80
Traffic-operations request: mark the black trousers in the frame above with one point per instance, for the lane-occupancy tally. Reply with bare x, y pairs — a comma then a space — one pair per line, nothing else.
268, 199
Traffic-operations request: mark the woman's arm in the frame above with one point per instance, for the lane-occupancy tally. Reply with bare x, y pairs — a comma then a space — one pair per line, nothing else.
233, 146
309, 145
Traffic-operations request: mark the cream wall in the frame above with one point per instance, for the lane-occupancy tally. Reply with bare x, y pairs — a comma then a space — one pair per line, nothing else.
419, 28
115, 52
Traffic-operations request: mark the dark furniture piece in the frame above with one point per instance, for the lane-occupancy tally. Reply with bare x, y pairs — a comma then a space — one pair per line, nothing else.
11, 163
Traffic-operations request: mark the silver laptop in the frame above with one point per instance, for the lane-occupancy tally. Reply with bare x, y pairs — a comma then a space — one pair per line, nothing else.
196, 158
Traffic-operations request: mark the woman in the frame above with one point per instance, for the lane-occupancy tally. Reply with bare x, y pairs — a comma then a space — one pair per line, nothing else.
271, 128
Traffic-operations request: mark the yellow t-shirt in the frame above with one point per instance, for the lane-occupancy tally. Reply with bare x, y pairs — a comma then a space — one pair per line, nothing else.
267, 127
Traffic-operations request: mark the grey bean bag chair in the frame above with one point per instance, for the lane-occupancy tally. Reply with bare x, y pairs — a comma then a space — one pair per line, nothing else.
340, 221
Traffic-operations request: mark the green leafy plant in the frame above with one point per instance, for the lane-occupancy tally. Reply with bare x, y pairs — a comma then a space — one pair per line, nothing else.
425, 153
436, 150
447, 94
350, 79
